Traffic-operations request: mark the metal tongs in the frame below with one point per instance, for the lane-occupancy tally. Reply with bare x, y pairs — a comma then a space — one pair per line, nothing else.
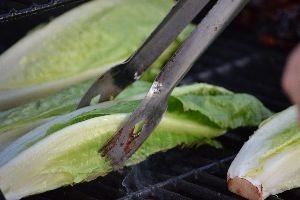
148, 114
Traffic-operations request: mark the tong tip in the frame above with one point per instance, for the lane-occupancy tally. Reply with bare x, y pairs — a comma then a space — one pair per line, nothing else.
116, 149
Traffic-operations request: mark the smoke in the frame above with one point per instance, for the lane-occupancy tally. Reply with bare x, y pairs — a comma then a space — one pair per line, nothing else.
137, 178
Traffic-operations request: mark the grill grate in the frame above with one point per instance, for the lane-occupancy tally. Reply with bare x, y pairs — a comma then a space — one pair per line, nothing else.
14, 9
189, 185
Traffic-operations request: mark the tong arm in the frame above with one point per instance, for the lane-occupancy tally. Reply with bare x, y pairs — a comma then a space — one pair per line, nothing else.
128, 139
113, 81
166, 32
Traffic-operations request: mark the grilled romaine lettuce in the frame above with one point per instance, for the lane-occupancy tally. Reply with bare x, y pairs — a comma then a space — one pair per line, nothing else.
64, 150
269, 162
79, 45
70, 50
17, 121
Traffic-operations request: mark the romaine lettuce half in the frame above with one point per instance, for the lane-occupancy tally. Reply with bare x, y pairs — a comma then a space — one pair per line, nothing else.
269, 162
38, 77
64, 150
77, 46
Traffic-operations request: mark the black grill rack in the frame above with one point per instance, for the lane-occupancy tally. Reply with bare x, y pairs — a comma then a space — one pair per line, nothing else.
14, 9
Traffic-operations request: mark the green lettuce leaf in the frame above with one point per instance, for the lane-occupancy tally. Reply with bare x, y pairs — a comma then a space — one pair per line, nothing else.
78, 46
64, 150
17, 121
62, 59
233, 114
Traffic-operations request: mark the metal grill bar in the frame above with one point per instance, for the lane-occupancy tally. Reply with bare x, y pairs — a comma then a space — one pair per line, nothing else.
163, 194
75, 195
197, 191
211, 181
14, 9
173, 180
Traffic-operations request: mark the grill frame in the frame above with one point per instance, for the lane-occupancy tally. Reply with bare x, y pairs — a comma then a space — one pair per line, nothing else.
16, 9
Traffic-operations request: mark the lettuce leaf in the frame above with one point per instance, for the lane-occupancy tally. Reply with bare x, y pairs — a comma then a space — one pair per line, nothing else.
17, 121
63, 60
233, 114
78, 46
64, 150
